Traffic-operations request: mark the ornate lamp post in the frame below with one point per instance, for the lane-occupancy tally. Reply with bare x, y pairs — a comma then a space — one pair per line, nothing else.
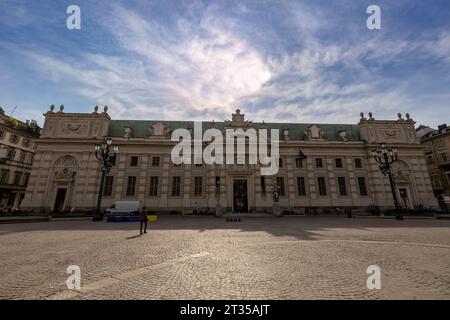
385, 157
104, 153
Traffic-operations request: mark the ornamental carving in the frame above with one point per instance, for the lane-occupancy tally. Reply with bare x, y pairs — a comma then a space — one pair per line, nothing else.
158, 129
64, 175
314, 132
78, 129
66, 162
237, 120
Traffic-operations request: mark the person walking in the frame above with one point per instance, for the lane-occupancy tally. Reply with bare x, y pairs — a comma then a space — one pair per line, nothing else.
143, 219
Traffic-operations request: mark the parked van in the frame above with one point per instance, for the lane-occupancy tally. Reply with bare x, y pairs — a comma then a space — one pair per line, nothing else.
124, 208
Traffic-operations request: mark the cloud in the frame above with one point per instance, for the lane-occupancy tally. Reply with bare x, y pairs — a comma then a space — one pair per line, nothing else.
204, 67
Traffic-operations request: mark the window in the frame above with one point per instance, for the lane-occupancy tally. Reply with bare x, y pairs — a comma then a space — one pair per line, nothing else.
430, 160
319, 163
26, 179
322, 186
338, 162
14, 138
107, 190
176, 185
362, 186
155, 162
342, 186
280, 162
18, 178
301, 186
440, 145
26, 143
358, 163
134, 161
299, 162
436, 181
280, 186
23, 156
263, 184
154, 181
30, 158
198, 186
131, 186
4, 175
11, 154
217, 184
2, 134
444, 156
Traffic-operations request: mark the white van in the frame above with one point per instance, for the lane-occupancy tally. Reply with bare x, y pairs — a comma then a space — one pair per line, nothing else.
124, 208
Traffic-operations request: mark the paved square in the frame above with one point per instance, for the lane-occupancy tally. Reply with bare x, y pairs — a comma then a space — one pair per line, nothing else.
208, 258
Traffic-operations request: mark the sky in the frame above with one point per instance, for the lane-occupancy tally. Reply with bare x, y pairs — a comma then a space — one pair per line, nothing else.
278, 61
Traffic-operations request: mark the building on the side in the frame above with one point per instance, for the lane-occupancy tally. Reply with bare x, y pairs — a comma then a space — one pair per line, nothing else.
16, 156
322, 167
437, 157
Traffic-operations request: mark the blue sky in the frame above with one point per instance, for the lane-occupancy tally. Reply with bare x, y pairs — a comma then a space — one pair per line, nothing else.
285, 61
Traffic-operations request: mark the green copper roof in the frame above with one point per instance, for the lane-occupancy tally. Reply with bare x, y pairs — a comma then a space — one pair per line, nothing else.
296, 130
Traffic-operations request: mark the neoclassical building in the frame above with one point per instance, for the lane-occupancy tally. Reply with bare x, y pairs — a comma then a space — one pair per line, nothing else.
16, 156
322, 167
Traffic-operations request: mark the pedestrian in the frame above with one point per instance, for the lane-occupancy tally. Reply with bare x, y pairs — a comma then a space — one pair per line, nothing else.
143, 219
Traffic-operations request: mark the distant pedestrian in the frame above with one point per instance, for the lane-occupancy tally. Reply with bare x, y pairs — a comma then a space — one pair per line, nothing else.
143, 219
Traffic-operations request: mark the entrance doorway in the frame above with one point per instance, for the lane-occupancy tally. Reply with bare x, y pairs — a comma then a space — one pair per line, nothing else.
240, 196
60, 199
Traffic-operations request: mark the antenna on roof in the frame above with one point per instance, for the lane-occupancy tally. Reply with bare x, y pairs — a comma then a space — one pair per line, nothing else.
13, 110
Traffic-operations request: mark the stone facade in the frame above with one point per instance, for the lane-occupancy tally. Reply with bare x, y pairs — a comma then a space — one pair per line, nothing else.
323, 166
16, 156
437, 156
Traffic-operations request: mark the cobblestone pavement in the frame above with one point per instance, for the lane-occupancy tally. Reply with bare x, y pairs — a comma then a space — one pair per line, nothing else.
208, 258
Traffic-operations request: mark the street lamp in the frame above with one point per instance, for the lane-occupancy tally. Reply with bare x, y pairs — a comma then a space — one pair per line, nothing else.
385, 157
104, 153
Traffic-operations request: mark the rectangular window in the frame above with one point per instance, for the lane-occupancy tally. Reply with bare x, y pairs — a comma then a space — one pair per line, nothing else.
436, 181
263, 184
14, 138
18, 178
154, 181
4, 175
301, 187
26, 143
217, 184
198, 186
155, 162
319, 163
26, 179
342, 186
134, 161
322, 186
23, 156
358, 163
444, 156
338, 162
299, 162
362, 186
176, 186
280, 186
11, 154
280, 162
131, 186
107, 190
